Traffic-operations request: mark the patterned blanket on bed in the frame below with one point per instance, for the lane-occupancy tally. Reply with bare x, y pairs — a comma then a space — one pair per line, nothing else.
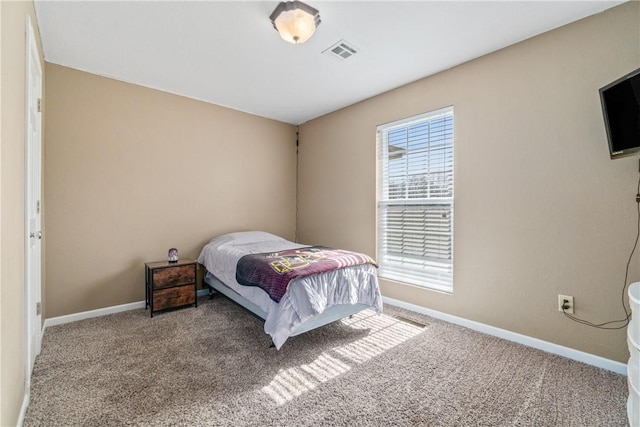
274, 271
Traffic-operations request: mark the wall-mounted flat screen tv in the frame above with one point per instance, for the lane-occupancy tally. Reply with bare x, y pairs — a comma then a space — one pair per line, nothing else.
621, 109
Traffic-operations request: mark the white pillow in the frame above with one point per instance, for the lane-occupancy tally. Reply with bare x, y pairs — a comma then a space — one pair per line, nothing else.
244, 238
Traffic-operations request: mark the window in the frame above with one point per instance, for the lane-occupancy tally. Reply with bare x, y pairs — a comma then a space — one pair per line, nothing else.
415, 200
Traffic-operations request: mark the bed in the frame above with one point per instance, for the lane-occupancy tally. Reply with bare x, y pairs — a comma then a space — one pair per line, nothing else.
308, 302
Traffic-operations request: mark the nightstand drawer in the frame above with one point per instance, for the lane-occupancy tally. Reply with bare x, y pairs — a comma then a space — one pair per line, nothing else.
174, 297
174, 276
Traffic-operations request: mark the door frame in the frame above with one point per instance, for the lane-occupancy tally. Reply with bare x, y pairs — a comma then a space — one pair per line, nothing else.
33, 158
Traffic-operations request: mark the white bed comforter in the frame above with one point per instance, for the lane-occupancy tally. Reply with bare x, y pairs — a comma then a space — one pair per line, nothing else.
305, 297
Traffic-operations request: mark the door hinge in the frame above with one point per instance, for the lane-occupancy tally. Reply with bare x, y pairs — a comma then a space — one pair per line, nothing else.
38, 206
38, 308
39, 105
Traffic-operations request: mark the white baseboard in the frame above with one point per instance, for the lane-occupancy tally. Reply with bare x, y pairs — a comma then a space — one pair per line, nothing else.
23, 408
101, 312
570, 353
92, 313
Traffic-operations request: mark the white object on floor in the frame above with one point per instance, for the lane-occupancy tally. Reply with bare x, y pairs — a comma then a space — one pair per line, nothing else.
633, 366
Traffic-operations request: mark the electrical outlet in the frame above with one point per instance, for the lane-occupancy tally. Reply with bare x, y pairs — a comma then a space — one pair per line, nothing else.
568, 300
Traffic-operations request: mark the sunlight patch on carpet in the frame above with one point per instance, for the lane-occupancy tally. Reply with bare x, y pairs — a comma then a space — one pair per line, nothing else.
385, 332
292, 382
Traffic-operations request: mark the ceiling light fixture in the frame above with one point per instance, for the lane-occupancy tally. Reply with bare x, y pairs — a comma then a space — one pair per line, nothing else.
295, 21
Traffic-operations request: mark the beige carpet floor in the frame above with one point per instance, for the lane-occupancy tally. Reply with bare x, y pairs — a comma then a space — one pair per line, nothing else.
212, 365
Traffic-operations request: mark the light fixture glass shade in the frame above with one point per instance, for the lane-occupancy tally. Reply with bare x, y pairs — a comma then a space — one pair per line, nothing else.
295, 21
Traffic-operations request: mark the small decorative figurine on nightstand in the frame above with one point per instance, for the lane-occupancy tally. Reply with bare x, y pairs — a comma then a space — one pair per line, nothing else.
173, 255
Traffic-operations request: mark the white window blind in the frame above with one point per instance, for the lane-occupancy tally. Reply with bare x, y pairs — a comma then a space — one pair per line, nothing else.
415, 200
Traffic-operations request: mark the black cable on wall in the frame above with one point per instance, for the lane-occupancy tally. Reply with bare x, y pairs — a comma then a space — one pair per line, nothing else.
627, 317
297, 145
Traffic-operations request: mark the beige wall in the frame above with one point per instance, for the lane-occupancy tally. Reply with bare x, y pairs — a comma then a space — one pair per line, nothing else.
12, 287
131, 172
540, 209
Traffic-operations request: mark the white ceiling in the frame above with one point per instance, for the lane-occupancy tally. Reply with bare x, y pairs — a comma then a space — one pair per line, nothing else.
227, 52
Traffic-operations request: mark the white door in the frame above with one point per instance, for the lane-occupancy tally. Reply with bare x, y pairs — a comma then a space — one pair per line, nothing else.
33, 171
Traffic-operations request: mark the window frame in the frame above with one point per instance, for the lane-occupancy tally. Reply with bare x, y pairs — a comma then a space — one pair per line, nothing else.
430, 277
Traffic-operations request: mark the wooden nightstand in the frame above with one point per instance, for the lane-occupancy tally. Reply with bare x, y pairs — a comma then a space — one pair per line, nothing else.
170, 284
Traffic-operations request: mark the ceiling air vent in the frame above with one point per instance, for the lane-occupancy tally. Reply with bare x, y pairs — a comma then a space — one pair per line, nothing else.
342, 50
